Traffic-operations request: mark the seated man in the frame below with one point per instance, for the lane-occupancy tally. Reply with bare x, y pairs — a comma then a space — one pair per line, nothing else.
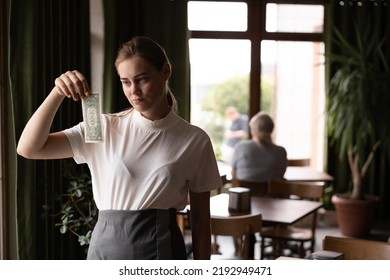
259, 159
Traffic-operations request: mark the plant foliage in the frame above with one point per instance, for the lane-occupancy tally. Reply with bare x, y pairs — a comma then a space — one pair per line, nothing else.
78, 213
358, 97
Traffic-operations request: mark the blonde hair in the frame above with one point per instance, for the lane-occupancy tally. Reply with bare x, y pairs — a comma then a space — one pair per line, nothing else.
262, 127
153, 53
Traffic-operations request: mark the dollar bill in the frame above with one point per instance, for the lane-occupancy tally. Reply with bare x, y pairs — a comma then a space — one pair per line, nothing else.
92, 115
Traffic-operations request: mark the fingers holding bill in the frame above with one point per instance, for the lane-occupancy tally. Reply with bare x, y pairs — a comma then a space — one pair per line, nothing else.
72, 84
82, 84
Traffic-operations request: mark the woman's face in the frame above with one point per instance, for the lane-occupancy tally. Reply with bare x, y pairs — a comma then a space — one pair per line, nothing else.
145, 87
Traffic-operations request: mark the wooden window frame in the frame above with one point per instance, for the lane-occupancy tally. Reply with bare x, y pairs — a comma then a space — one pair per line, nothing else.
256, 33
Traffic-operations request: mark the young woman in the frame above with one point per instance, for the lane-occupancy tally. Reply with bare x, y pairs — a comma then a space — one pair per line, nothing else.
148, 164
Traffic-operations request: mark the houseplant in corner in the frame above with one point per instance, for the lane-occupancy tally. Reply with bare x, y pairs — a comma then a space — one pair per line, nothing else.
77, 214
357, 117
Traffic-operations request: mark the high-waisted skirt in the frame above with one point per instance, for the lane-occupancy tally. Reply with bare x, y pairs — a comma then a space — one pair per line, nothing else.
151, 234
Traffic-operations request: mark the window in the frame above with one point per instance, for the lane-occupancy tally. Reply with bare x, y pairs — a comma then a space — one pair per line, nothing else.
294, 18
217, 16
296, 71
260, 56
218, 79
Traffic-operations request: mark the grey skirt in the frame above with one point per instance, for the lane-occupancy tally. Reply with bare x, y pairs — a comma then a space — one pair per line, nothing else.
151, 234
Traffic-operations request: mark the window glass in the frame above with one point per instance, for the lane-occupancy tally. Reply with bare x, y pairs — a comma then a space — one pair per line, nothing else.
294, 18
219, 79
292, 73
217, 16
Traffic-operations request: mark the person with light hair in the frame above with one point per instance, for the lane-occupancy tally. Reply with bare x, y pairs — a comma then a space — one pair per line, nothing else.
259, 159
149, 166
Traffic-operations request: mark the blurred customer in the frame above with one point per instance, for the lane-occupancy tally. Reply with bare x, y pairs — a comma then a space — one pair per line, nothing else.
259, 159
237, 131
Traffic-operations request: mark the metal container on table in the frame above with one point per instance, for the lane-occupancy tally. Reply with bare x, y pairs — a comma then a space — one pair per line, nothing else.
239, 199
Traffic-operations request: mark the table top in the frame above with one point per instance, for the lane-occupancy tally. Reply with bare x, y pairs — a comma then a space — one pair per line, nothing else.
293, 173
274, 211
306, 174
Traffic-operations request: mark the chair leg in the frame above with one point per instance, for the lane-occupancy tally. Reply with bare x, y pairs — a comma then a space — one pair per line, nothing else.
214, 245
238, 246
262, 248
301, 250
262, 243
312, 244
252, 243
277, 248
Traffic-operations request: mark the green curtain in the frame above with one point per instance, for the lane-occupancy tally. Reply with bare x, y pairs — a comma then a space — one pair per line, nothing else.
164, 21
45, 39
343, 18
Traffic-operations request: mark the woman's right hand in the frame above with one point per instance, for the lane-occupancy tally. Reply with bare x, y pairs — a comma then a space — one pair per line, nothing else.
72, 84
36, 141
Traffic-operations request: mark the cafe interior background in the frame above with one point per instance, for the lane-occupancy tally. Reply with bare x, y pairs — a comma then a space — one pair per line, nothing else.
257, 55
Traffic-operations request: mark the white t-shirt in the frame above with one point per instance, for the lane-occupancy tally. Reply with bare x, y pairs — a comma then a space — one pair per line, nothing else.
145, 164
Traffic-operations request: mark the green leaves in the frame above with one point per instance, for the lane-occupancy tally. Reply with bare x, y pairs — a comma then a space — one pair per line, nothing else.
357, 89
84, 239
359, 96
78, 213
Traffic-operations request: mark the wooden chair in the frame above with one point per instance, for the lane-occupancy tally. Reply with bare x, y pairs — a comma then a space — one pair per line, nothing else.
256, 188
240, 227
299, 162
357, 249
226, 184
280, 237
182, 217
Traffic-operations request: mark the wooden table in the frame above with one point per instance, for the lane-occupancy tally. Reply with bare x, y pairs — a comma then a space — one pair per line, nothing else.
306, 174
293, 173
274, 211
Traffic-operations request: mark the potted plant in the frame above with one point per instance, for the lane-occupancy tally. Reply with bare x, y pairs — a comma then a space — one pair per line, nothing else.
78, 212
357, 116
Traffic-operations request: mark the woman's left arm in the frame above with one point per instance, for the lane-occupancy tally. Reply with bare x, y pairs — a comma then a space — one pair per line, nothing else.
200, 225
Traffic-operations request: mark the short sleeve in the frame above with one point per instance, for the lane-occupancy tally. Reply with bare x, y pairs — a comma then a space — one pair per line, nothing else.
75, 136
207, 175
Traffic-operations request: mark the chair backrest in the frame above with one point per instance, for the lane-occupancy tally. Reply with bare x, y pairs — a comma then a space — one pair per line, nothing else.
298, 190
242, 227
357, 249
225, 182
299, 162
256, 188
303, 190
